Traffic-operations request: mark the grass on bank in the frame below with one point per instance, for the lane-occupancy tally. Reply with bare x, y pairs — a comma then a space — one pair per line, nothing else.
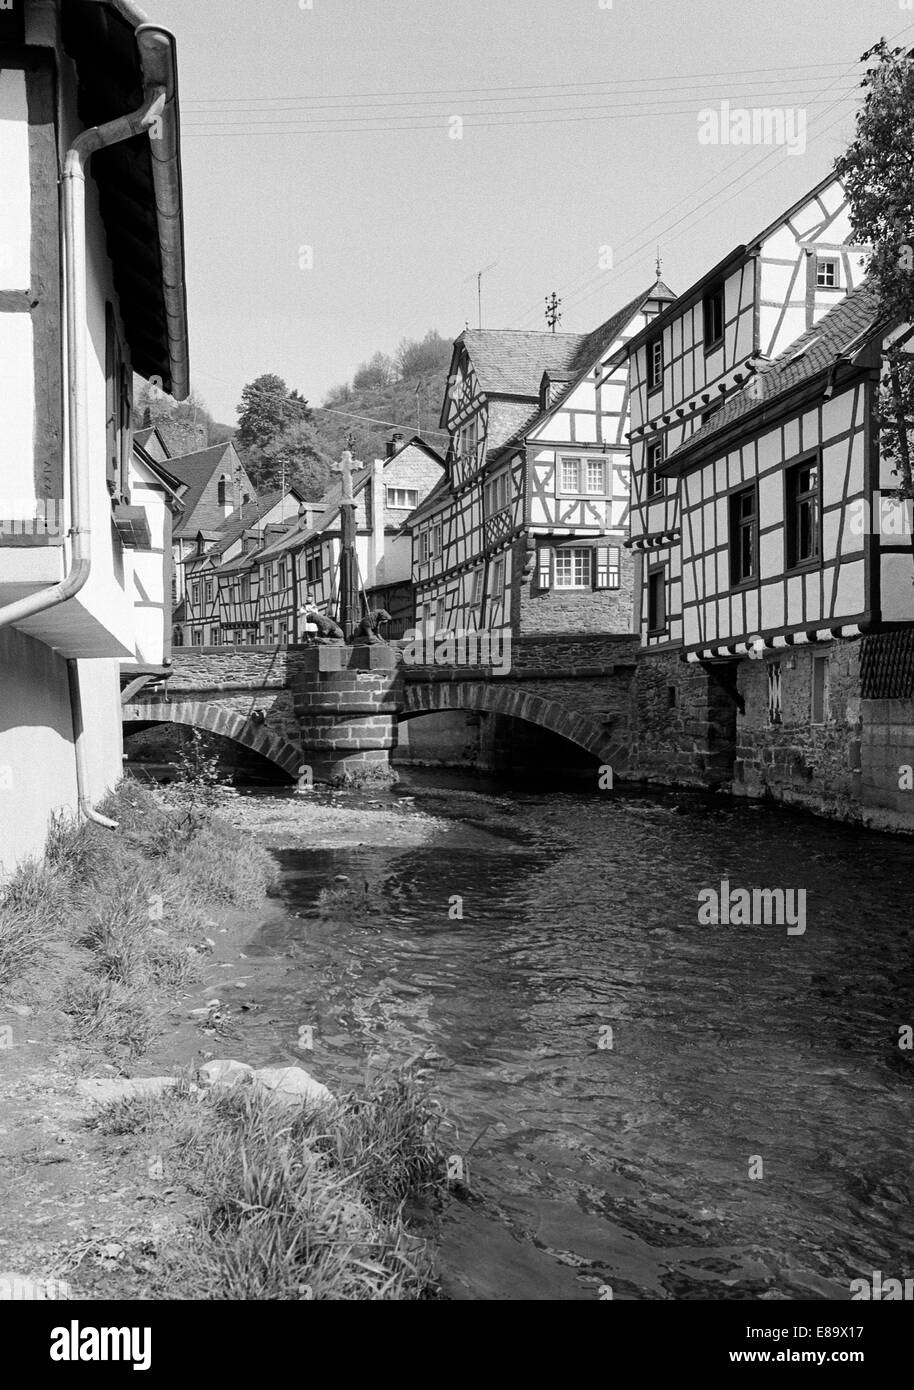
302, 1206
135, 902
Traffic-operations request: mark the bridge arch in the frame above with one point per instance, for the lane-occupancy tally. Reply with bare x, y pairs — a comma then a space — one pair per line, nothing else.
216, 719
434, 697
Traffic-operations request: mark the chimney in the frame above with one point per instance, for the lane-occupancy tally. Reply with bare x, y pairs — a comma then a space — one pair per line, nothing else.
393, 444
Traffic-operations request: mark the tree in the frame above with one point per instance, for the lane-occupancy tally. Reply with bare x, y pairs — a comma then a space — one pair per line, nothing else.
295, 458
418, 359
185, 426
372, 375
268, 408
877, 171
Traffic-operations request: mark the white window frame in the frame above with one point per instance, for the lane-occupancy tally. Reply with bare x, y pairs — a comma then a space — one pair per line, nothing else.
600, 489
567, 462
828, 263
404, 499
573, 556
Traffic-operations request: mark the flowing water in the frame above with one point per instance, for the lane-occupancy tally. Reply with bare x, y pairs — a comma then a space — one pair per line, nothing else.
642, 1102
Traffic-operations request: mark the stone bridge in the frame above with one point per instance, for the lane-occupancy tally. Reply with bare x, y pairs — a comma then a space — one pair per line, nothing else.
336, 709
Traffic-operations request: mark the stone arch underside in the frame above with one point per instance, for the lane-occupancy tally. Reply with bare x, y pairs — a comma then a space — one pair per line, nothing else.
439, 696
216, 720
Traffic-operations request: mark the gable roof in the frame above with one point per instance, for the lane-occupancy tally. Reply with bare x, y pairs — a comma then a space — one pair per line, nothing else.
513, 362
195, 471
839, 334
592, 347
728, 262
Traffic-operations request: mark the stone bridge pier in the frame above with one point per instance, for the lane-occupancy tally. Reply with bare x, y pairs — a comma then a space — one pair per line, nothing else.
346, 702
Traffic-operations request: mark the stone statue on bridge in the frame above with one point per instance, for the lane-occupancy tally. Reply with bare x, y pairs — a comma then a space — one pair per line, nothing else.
327, 629
367, 631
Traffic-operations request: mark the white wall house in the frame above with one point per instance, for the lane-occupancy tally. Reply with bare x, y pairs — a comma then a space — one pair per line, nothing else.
91, 290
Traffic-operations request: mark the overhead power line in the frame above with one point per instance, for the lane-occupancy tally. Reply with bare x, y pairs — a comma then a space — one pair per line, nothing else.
658, 79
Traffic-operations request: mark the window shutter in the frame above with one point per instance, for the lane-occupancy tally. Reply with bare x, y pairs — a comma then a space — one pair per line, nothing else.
544, 567
601, 568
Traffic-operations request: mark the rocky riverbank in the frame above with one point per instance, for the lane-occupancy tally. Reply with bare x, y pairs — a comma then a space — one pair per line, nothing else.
123, 958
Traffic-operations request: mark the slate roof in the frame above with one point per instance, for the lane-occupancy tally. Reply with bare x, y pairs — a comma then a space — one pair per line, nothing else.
591, 348
848, 325
511, 362
195, 470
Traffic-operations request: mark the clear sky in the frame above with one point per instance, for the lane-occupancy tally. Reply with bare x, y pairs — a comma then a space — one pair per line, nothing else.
329, 128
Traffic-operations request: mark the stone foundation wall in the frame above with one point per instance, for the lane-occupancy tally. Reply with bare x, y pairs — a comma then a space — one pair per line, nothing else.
681, 723
816, 766
887, 764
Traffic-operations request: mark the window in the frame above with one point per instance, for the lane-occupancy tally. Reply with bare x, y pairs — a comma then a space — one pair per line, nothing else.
437, 548
826, 273
820, 710
743, 535
245, 588
570, 475
802, 512
208, 591
196, 637
467, 440
655, 482
283, 573
573, 568
284, 633
497, 493
268, 578
313, 569
403, 498
195, 595
596, 477
654, 363
440, 618
476, 596
222, 490
607, 567
214, 636
268, 633
423, 547
774, 692
713, 313
498, 578
656, 600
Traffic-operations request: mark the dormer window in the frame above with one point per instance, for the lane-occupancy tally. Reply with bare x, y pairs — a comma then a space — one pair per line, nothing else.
654, 363
713, 315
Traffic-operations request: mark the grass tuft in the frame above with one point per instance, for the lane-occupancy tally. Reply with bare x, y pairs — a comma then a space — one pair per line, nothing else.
307, 1206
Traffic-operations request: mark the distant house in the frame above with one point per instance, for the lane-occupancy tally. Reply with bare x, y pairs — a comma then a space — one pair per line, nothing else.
208, 617
303, 564
216, 485
83, 518
525, 533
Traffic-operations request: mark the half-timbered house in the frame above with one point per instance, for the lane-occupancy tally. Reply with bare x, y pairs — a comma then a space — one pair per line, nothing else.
794, 556
743, 313
302, 565
91, 291
526, 531
216, 485
217, 606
